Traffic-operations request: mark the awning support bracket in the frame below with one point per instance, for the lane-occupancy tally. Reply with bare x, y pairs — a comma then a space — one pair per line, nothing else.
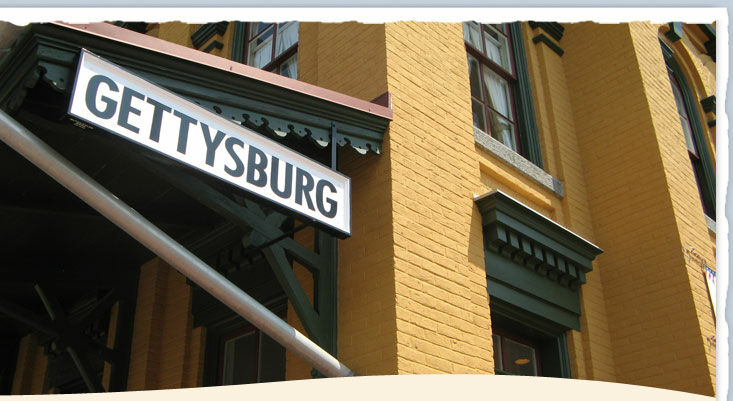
43, 156
319, 325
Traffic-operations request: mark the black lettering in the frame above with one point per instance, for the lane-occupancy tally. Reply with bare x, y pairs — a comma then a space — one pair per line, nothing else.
319, 199
183, 131
239, 166
211, 144
158, 110
256, 166
285, 193
303, 188
126, 108
91, 97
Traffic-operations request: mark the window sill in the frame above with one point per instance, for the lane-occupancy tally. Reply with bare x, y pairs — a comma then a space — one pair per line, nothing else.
711, 224
512, 158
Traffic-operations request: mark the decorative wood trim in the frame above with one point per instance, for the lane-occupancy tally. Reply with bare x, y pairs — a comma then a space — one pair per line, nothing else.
529, 138
533, 262
207, 31
708, 104
675, 31
213, 45
709, 31
542, 38
140, 27
287, 110
554, 29
238, 41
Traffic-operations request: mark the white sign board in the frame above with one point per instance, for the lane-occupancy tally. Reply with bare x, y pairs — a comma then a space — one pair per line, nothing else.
109, 97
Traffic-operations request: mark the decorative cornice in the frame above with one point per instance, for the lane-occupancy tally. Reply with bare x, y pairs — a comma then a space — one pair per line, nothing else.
554, 29
207, 31
522, 235
552, 45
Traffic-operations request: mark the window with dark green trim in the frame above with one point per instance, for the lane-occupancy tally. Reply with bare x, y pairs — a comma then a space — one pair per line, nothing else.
501, 99
694, 134
272, 47
526, 344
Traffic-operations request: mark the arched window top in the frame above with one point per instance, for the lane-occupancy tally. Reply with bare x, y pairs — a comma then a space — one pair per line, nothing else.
686, 103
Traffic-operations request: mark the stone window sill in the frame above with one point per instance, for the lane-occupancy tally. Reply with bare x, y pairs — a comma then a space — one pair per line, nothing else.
512, 158
711, 224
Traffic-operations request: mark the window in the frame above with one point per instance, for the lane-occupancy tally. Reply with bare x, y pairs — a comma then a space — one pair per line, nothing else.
273, 47
526, 344
515, 356
501, 97
250, 356
693, 149
492, 77
693, 132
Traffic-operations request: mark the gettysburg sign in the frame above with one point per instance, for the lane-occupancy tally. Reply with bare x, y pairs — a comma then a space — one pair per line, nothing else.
109, 97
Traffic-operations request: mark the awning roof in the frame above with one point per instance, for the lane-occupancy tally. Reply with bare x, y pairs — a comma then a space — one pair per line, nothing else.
270, 103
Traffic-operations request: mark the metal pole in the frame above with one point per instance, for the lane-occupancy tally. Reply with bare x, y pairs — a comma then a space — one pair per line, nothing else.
132, 222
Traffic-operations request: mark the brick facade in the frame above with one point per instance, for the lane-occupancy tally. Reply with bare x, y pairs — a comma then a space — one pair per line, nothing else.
412, 295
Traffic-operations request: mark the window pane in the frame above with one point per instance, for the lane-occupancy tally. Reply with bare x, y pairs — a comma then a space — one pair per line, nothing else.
503, 130
520, 358
272, 360
498, 89
472, 34
687, 130
239, 360
479, 118
289, 68
684, 118
260, 49
498, 363
257, 27
287, 35
497, 48
475, 78
500, 28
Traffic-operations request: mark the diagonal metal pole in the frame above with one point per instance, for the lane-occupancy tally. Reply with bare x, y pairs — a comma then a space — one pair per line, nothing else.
44, 157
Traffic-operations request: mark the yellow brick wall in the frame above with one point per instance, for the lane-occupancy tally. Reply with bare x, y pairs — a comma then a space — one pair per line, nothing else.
180, 33
591, 355
412, 288
166, 351
644, 202
443, 323
175, 32
30, 370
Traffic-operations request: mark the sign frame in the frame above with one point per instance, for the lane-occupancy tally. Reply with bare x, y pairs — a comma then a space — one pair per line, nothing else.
122, 103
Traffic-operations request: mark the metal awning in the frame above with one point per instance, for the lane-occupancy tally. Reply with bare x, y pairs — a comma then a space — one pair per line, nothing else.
274, 105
